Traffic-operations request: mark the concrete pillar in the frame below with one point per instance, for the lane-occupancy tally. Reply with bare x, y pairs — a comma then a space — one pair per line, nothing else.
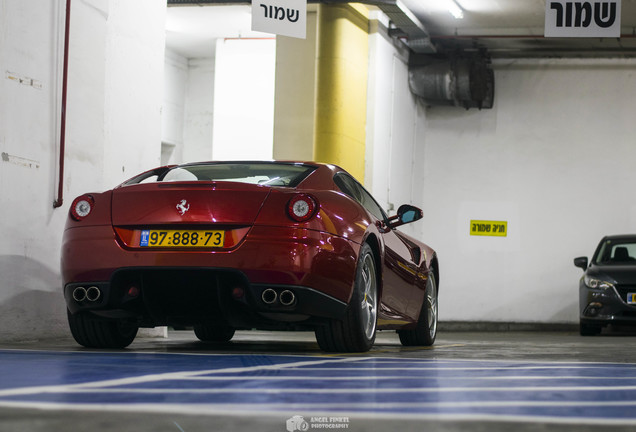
295, 94
341, 86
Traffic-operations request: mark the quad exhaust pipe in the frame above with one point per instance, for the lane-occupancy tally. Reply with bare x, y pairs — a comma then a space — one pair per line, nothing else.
92, 294
79, 294
285, 298
269, 296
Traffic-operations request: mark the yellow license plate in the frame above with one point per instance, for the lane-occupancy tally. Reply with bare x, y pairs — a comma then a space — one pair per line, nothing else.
182, 238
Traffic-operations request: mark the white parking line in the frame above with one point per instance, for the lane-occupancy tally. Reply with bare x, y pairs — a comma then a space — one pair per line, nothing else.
162, 377
374, 390
480, 401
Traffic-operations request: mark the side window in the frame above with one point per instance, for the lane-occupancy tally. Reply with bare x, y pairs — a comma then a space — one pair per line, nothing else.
347, 185
356, 191
369, 203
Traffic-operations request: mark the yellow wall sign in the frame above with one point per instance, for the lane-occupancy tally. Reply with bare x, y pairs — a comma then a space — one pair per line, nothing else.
489, 228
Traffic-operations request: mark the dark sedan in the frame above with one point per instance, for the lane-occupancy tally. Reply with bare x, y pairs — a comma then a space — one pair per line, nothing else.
607, 290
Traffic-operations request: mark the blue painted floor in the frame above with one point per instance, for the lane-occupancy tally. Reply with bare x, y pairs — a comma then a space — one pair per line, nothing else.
303, 385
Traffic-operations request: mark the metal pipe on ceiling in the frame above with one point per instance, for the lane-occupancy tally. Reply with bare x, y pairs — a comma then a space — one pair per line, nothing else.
414, 33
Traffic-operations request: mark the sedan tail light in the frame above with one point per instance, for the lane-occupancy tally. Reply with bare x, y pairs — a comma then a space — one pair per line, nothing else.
302, 207
82, 207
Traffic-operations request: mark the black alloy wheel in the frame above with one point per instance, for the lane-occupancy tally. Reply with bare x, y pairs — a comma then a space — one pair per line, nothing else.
425, 332
356, 332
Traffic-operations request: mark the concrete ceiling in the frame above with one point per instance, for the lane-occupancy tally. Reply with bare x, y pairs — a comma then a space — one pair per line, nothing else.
506, 28
514, 28
192, 31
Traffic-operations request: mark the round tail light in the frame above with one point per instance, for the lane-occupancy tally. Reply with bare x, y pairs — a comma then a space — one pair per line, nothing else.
82, 207
302, 207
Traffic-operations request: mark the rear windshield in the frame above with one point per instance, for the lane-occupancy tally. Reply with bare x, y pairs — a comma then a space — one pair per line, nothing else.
262, 173
617, 251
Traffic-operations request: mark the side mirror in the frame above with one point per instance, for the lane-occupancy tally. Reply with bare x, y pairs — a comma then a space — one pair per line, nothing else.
581, 262
405, 214
408, 213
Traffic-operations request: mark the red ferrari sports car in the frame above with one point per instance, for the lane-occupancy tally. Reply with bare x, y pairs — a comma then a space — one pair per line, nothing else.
221, 246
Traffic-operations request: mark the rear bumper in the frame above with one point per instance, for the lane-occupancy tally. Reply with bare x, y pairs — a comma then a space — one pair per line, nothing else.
184, 287
177, 296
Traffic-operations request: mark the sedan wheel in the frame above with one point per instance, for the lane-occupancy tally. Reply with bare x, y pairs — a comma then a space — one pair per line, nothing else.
356, 333
426, 331
588, 329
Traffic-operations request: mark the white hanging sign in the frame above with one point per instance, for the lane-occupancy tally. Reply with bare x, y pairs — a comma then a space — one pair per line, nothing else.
582, 18
282, 17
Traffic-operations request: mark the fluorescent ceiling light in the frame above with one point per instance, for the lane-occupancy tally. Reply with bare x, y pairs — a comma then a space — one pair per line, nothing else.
454, 9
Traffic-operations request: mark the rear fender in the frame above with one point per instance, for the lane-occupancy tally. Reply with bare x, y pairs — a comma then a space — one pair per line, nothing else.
337, 214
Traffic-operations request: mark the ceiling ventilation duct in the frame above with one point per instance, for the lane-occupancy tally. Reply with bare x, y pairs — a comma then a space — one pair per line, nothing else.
467, 82
406, 26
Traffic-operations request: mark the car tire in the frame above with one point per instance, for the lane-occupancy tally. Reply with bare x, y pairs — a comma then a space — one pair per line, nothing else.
587, 329
213, 333
93, 332
425, 332
356, 332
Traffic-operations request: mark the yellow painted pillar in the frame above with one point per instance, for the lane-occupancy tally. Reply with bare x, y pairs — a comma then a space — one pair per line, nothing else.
342, 59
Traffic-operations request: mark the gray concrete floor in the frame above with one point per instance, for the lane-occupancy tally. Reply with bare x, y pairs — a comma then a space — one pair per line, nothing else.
531, 346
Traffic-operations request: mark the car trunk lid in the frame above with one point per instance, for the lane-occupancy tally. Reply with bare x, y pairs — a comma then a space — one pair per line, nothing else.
203, 210
187, 203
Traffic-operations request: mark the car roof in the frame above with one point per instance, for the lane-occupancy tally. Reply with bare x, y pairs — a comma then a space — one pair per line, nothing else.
620, 237
248, 162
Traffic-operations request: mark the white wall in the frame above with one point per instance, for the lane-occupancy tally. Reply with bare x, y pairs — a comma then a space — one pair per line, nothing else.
554, 158
188, 108
175, 87
199, 112
394, 119
244, 99
133, 62
29, 250
114, 92
295, 94
113, 129
220, 107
